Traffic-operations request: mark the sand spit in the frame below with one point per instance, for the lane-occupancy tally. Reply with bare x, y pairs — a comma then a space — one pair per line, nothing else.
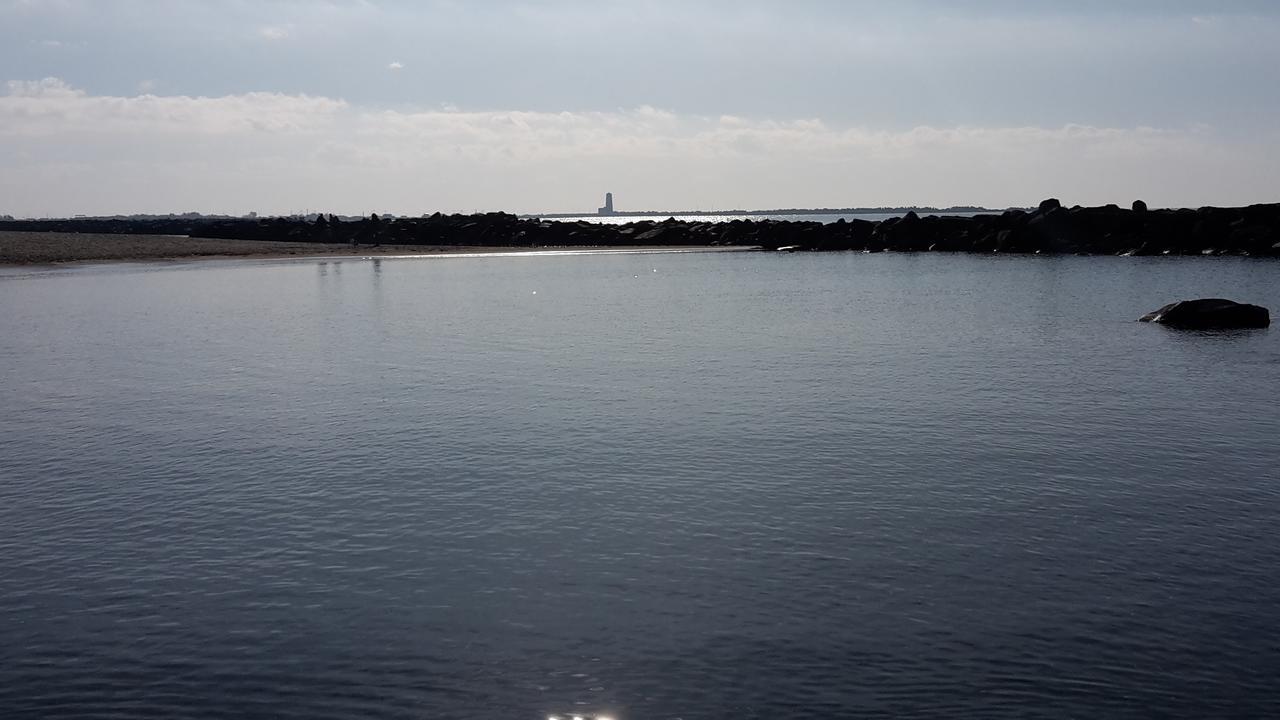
23, 248
30, 248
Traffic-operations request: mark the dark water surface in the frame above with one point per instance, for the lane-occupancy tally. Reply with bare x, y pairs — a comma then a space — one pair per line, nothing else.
653, 486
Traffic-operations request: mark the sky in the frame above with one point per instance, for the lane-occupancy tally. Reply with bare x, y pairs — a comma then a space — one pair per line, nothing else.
359, 106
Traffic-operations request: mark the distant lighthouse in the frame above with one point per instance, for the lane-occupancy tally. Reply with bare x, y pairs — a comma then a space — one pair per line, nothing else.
608, 205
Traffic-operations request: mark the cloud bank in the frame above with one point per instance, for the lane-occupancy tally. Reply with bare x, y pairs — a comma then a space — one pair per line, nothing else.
66, 151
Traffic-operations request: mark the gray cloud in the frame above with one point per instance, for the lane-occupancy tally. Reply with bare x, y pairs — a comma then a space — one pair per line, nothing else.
887, 64
764, 103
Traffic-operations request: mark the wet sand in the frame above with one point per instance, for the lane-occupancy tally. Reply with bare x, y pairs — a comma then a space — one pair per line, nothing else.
30, 248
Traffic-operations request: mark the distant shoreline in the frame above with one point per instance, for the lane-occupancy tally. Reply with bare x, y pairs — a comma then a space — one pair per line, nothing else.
201, 217
770, 213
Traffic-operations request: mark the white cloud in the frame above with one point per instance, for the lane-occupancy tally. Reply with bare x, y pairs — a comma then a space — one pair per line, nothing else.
50, 108
395, 65
67, 151
274, 32
49, 88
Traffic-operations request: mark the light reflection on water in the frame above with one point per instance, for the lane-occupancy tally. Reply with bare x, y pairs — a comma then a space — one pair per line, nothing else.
559, 253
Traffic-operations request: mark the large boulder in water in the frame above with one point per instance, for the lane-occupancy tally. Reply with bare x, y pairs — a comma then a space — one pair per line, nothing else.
1209, 314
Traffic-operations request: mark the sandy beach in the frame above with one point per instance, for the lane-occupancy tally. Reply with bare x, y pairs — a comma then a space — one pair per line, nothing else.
28, 248
32, 248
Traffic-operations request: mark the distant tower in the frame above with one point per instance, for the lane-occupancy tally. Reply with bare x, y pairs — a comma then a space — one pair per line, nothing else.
608, 205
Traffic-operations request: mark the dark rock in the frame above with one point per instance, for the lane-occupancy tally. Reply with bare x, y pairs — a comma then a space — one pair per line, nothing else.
651, 235
1051, 228
1054, 230
1209, 314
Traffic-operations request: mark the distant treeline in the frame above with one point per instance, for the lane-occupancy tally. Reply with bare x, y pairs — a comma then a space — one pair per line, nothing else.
1050, 228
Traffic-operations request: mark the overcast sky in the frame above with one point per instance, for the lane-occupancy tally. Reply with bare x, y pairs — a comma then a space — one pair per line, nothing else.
411, 107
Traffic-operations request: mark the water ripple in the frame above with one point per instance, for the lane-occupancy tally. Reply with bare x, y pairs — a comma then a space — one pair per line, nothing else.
736, 488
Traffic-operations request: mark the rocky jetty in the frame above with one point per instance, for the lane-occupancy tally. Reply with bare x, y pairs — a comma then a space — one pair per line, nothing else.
1209, 314
1049, 229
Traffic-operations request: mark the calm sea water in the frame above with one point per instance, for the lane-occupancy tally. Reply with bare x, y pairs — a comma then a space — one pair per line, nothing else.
651, 486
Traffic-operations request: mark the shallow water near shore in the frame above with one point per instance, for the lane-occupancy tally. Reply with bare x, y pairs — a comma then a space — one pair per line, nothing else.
721, 485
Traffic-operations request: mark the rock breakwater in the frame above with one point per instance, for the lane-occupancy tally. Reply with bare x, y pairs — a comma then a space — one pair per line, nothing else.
1049, 229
